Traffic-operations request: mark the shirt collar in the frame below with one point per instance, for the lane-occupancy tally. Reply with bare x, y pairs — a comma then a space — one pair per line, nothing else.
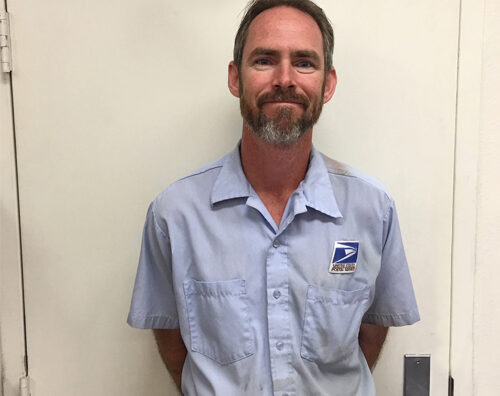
231, 181
316, 188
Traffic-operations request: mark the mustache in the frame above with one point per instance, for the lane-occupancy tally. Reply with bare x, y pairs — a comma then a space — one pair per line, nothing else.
283, 96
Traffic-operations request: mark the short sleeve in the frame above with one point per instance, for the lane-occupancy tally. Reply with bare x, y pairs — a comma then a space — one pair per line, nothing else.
394, 302
153, 300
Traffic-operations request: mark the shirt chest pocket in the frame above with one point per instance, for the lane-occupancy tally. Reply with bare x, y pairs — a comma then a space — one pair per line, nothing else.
331, 323
218, 318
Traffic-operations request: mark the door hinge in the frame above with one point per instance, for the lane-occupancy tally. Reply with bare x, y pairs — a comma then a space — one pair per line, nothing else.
24, 386
5, 52
451, 386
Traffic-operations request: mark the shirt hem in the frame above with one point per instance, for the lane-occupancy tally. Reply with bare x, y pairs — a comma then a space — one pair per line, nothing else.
152, 322
392, 320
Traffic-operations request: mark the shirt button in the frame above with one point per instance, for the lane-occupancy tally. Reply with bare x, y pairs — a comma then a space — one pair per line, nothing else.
279, 345
276, 294
276, 243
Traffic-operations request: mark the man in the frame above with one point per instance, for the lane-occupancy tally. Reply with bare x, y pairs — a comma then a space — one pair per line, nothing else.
274, 270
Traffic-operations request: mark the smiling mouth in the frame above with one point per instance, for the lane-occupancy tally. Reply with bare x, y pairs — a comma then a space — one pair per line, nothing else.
284, 102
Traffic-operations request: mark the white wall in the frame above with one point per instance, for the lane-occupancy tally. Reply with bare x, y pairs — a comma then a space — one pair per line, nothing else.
487, 292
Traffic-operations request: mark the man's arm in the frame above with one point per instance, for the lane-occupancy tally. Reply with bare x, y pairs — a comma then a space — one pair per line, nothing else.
172, 351
371, 338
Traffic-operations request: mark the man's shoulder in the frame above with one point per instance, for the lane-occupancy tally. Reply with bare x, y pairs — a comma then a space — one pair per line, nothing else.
344, 173
206, 171
195, 186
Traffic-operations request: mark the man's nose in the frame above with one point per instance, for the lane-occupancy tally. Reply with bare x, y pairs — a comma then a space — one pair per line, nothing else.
284, 76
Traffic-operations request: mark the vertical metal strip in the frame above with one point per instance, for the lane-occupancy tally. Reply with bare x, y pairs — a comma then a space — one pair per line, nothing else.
16, 165
12, 299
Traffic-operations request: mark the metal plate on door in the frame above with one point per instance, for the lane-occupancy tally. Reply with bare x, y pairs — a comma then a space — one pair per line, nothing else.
417, 375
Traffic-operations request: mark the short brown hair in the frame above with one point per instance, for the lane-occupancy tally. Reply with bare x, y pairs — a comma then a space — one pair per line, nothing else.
255, 7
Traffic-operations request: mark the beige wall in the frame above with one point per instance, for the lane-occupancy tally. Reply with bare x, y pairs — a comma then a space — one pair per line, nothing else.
487, 292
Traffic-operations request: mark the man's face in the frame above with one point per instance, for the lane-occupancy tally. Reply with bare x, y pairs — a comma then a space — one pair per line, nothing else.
282, 81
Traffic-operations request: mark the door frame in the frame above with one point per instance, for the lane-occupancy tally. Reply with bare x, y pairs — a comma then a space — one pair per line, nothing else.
468, 113
12, 329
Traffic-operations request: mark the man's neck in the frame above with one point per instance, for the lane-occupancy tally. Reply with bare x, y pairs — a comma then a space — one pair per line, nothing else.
274, 171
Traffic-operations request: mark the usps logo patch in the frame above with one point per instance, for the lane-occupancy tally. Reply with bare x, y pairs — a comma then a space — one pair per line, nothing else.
344, 258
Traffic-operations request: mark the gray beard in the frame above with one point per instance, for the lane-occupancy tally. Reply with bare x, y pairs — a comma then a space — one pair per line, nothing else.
281, 130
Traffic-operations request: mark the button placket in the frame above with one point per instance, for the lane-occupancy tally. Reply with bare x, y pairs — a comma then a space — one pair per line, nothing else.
278, 314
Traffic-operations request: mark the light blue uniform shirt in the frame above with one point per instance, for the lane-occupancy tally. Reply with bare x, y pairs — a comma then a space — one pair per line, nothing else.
260, 312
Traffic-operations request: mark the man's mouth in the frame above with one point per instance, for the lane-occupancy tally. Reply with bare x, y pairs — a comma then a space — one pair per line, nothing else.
284, 102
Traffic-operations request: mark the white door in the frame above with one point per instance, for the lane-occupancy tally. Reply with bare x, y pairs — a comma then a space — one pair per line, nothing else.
116, 99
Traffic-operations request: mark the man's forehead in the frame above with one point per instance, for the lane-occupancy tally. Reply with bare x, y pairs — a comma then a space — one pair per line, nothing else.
278, 24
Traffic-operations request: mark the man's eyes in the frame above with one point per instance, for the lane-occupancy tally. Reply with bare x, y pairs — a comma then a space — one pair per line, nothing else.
305, 64
263, 62
302, 65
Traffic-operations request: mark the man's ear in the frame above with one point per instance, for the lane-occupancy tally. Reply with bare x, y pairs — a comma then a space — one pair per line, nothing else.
330, 84
233, 79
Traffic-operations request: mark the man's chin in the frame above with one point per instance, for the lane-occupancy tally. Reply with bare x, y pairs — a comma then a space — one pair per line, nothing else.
273, 109
280, 134
283, 111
